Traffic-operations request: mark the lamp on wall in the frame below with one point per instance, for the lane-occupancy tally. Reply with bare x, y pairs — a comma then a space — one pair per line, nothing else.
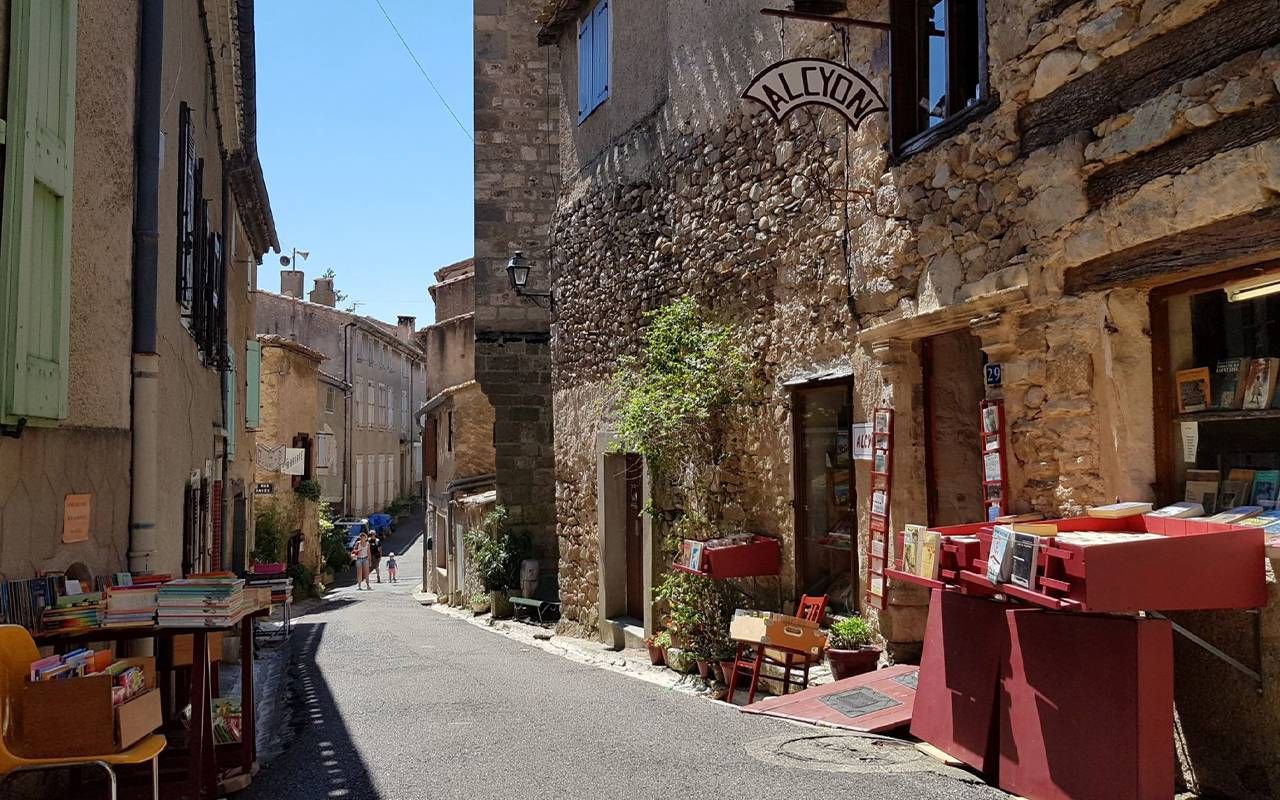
518, 269
1253, 288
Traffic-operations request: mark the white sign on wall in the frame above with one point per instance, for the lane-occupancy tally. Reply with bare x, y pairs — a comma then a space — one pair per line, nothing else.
862, 441
295, 461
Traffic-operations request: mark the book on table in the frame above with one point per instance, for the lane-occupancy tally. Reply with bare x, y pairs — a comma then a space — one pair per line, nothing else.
930, 552
1000, 559
1119, 510
1204, 494
912, 538
1234, 515
1179, 511
1266, 488
1025, 560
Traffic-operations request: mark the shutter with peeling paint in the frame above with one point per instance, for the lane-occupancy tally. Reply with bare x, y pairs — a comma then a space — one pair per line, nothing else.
253, 385
35, 220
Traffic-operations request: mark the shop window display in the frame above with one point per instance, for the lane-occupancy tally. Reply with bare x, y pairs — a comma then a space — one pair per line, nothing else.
1220, 446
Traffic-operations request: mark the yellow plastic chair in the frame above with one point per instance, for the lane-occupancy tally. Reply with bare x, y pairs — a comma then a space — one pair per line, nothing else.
17, 651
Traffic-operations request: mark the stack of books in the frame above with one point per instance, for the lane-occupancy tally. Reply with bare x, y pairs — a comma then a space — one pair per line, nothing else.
73, 613
281, 586
130, 606
75, 664
200, 601
22, 602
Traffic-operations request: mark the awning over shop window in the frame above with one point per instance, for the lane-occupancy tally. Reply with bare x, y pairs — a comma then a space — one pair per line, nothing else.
830, 373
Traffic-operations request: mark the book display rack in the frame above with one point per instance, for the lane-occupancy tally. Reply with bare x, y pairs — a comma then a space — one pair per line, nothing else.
880, 550
995, 481
747, 556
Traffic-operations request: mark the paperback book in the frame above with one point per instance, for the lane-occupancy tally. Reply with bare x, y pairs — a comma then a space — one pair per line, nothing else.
1120, 510
1025, 560
1260, 383
930, 554
1000, 561
1179, 511
1193, 390
1228, 384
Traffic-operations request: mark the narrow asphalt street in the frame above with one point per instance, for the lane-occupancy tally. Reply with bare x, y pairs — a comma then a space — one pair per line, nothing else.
395, 700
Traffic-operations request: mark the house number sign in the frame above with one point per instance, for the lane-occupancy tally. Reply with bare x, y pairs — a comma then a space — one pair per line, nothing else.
795, 82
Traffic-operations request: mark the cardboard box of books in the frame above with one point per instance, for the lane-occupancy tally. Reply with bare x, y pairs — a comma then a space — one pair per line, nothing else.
71, 717
777, 630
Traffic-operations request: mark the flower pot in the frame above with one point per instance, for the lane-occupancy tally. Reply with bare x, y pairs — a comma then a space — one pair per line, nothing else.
657, 656
479, 605
704, 669
847, 663
501, 605
726, 669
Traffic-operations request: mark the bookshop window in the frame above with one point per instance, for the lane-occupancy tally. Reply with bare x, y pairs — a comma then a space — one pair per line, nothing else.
826, 540
1218, 392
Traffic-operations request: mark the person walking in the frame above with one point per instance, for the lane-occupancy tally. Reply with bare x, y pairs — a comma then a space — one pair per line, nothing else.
375, 558
391, 566
361, 555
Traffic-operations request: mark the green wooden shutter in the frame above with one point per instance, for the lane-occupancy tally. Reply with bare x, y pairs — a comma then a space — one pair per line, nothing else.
253, 385
35, 220
231, 421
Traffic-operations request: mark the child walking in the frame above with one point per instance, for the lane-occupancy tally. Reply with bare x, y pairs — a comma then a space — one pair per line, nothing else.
391, 566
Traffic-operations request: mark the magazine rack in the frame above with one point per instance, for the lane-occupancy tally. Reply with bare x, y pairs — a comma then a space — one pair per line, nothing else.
1193, 565
880, 552
995, 480
759, 557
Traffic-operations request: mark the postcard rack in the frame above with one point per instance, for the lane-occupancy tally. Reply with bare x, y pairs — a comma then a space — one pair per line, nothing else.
995, 480
880, 544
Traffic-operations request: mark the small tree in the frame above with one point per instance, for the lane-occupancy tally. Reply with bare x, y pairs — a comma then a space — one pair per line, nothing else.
270, 532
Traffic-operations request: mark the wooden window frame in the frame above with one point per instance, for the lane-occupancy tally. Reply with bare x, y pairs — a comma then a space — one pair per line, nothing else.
909, 131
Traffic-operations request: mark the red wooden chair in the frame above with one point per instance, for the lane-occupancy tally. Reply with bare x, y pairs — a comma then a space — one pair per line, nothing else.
752, 657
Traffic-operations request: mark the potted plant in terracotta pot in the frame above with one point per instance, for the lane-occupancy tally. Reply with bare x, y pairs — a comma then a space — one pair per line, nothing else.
658, 644
850, 648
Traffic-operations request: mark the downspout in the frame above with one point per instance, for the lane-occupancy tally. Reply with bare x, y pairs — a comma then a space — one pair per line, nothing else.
146, 235
349, 468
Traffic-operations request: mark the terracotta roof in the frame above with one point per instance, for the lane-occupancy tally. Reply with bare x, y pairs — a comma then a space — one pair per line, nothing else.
272, 340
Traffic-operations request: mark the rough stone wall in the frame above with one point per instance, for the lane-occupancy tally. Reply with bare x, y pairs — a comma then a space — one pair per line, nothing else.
517, 90
706, 195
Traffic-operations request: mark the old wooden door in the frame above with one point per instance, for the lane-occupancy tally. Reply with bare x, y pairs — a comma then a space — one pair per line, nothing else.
635, 537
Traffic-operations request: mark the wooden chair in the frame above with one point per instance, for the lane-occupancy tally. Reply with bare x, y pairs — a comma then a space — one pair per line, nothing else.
17, 651
752, 658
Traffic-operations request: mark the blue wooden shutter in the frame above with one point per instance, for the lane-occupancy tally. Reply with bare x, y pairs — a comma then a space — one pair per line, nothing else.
253, 385
35, 220
600, 53
230, 419
585, 57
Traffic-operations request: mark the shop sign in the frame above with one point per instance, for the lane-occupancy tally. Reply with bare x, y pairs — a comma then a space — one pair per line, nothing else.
75, 518
995, 374
295, 461
862, 442
787, 85
264, 488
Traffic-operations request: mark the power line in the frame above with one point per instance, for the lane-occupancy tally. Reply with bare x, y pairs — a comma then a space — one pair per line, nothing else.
423, 70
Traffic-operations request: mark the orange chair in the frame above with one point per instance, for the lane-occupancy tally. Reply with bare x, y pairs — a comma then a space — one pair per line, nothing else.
17, 651
811, 608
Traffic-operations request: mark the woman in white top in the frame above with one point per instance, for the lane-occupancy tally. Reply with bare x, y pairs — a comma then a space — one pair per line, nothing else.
361, 554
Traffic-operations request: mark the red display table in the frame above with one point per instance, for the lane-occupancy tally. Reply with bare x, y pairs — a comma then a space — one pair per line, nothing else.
761, 556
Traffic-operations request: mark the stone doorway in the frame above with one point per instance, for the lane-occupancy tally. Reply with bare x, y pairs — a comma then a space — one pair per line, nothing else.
626, 565
953, 391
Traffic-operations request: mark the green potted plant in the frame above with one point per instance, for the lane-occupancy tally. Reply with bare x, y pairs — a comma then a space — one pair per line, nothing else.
658, 644
850, 648
496, 554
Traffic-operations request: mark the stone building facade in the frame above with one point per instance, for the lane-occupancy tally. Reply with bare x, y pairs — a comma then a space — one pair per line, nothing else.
1109, 158
387, 374
517, 85
458, 428
169, 483
291, 413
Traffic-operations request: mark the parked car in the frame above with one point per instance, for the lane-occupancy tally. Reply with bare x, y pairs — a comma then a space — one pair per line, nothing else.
354, 527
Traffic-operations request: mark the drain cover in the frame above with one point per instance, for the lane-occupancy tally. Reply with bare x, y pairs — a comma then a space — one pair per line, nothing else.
909, 680
859, 702
834, 752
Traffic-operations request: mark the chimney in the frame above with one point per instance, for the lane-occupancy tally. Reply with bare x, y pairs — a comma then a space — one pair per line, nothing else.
323, 294
291, 283
407, 326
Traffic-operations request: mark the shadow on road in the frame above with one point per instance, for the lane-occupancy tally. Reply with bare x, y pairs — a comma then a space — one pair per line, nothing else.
323, 760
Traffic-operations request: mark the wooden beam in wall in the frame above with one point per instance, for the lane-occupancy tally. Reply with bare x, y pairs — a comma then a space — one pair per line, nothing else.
1131, 78
1240, 130
1211, 248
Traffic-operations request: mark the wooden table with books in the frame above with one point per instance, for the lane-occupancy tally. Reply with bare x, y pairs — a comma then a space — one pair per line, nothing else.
204, 777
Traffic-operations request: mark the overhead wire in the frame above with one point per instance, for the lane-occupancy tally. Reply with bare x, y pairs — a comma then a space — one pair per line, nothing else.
423, 70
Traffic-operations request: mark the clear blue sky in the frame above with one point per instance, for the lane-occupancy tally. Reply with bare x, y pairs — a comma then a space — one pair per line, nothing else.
365, 167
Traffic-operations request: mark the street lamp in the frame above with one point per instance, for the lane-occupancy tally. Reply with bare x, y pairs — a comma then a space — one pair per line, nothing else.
518, 271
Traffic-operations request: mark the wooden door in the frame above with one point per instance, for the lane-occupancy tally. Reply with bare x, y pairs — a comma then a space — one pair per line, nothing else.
635, 537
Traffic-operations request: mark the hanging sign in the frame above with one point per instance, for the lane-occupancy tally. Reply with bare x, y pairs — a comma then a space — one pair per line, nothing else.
788, 85
295, 461
862, 441
264, 488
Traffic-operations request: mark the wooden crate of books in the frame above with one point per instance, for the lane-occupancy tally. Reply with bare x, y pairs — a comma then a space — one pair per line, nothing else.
77, 716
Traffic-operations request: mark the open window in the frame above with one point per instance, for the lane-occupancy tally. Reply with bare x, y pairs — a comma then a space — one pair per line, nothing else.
939, 69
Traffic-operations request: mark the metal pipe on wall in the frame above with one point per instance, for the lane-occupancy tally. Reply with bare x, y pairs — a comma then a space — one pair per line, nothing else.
146, 257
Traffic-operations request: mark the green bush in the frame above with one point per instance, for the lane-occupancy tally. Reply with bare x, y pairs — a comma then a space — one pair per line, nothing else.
308, 490
699, 612
401, 505
333, 541
850, 633
496, 552
304, 581
270, 532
